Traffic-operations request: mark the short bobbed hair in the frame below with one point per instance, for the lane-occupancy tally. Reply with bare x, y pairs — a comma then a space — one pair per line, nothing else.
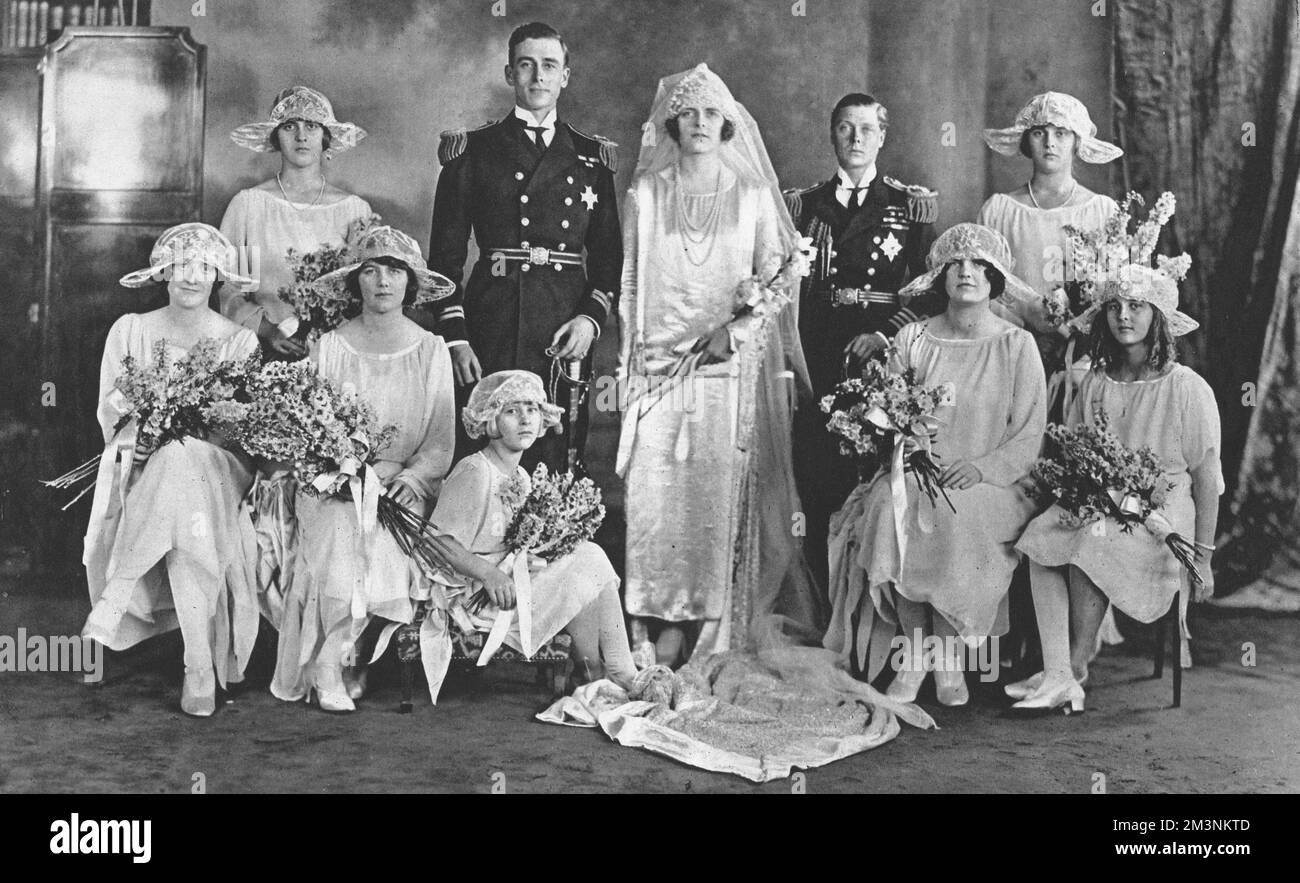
997, 282
352, 284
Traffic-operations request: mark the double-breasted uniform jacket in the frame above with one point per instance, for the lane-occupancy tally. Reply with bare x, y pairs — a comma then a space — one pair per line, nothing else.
869, 252
864, 256
544, 210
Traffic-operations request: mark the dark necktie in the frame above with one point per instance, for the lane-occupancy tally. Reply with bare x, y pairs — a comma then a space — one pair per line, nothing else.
537, 136
854, 205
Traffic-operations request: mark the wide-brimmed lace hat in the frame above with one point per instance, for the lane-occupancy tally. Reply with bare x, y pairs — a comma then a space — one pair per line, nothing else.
385, 241
1055, 109
189, 245
299, 103
978, 243
502, 388
1155, 285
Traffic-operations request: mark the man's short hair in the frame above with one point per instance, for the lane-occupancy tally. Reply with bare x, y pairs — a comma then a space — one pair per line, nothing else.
535, 30
860, 99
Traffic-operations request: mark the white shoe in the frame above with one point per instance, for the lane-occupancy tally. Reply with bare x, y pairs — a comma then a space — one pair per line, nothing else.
199, 693
906, 684
950, 686
1023, 689
1065, 694
354, 680
326, 700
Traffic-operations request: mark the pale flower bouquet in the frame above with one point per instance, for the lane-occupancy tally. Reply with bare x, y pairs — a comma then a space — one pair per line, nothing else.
321, 308
559, 512
332, 439
552, 515
1092, 475
876, 413
1100, 258
171, 400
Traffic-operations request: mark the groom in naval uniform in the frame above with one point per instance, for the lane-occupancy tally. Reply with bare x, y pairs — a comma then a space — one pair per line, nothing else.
872, 234
536, 193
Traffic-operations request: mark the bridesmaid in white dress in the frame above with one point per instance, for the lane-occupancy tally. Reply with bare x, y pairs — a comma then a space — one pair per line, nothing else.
1051, 130
344, 576
897, 560
296, 209
169, 545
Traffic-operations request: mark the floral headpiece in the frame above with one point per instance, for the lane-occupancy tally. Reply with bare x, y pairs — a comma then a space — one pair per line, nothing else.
1054, 109
702, 88
385, 241
495, 391
975, 242
1112, 263
299, 103
189, 245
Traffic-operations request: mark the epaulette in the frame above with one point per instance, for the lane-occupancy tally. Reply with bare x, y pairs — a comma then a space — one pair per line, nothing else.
794, 200
608, 149
452, 143
922, 202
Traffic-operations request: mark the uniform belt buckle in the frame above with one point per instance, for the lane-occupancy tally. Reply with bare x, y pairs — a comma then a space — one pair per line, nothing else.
846, 297
539, 255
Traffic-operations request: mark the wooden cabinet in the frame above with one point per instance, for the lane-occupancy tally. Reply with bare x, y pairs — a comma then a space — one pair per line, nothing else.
116, 159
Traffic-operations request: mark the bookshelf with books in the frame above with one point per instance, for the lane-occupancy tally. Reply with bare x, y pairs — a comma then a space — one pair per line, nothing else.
26, 24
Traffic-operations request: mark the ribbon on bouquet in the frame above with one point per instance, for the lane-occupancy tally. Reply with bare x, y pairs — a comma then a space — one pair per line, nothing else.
904, 445
516, 564
119, 457
1131, 504
366, 491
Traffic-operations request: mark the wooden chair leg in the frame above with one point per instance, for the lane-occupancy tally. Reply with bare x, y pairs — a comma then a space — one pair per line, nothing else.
1176, 633
408, 687
1160, 648
560, 672
408, 655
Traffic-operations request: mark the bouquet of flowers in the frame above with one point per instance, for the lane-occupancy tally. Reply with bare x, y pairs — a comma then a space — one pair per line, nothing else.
876, 413
172, 400
557, 512
332, 439
1099, 259
1093, 475
321, 308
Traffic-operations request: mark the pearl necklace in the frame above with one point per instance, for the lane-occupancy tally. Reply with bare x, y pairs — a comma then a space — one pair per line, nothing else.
291, 202
1068, 197
697, 232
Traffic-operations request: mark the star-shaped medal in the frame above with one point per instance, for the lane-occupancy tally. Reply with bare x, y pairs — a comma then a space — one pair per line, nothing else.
589, 198
891, 246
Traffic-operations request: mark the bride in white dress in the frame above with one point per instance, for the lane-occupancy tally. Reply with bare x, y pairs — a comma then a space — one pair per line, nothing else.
710, 494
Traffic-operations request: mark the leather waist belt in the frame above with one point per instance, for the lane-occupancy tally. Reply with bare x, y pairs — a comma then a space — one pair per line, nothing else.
861, 297
538, 256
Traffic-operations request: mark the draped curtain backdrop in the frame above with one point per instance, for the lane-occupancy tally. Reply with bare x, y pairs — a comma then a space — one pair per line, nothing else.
1229, 154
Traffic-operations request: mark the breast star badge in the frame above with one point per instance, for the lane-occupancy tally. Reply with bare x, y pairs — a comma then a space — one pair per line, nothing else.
589, 198
891, 246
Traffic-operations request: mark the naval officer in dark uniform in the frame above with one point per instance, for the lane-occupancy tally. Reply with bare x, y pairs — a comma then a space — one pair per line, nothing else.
536, 193
872, 234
